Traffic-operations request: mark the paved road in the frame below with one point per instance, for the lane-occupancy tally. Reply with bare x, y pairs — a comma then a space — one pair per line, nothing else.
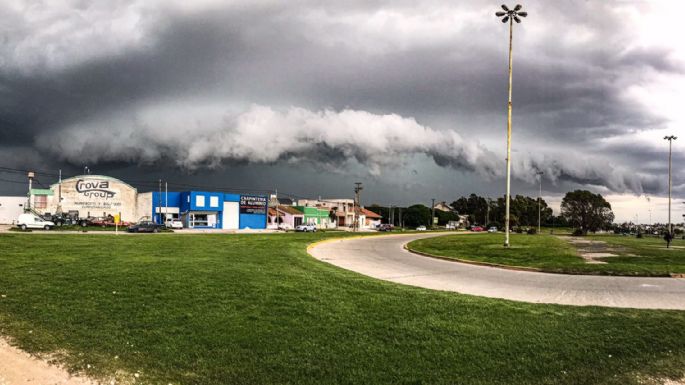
384, 257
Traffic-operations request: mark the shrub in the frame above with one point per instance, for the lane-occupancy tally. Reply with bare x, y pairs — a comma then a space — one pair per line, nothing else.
578, 232
532, 231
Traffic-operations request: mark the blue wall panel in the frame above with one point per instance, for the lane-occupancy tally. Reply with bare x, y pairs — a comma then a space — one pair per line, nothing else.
252, 221
161, 201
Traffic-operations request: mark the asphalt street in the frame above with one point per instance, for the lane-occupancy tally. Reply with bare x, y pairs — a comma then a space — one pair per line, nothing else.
384, 257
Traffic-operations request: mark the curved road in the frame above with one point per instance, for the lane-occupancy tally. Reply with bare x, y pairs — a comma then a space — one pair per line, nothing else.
384, 257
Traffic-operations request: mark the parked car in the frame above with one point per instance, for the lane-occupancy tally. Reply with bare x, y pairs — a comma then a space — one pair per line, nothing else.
174, 224
385, 227
477, 228
421, 228
145, 227
31, 221
492, 229
306, 228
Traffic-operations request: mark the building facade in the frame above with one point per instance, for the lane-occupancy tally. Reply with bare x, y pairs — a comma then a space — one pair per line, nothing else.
11, 208
102, 196
210, 210
90, 196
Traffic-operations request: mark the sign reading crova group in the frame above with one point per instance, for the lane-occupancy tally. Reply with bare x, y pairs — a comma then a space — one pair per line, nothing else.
94, 189
252, 204
95, 196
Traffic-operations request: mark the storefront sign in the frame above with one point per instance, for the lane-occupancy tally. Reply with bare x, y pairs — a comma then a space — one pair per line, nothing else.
250, 204
94, 189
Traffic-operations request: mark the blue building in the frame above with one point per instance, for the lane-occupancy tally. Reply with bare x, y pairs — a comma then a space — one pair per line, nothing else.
211, 210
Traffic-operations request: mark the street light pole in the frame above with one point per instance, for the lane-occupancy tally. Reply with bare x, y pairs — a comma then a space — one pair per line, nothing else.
510, 15
670, 139
539, 174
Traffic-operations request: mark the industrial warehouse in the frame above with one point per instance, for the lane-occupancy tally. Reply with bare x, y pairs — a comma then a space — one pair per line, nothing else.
99, 196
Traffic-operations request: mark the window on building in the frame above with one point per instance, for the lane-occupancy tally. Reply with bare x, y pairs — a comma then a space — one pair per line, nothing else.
200, 200
199, 220
40, 201
213, 201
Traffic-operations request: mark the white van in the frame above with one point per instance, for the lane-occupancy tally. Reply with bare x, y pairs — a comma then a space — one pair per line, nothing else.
31, 221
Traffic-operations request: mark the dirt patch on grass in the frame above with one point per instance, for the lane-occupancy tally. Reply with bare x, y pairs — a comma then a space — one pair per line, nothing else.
592, 250
19, 367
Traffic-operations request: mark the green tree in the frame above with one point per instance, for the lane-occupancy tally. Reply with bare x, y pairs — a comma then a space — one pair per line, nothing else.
416, 215
586, 211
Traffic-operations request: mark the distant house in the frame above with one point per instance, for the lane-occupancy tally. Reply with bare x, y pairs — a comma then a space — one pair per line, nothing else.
284, 217
370, 219
443, 206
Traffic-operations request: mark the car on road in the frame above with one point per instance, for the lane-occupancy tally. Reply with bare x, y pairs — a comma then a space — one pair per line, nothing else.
385, 227
421, 228
306, 228
477, 228
31, 221
174, 224
492, 229
145, 227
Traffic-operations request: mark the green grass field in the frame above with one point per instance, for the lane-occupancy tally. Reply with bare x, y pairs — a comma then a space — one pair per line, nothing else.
256, 309
643, 257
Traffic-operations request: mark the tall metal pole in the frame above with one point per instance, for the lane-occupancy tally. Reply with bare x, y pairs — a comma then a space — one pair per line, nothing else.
59, 193
509, 15
506, 219
159, 202
670, 147
31, 176
539, 173
432, 213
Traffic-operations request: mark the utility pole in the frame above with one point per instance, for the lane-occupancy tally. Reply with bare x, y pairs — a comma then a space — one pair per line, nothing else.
539, 174
159, 201
400, 220
357, 189
670, 139
59, 193
510, 15
166, 201
432, 212
31, 175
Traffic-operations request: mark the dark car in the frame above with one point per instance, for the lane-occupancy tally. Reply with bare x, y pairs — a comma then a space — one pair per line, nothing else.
385, 227
145, 227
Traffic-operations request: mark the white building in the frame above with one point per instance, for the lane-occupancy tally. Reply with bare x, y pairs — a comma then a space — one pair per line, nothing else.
11, 208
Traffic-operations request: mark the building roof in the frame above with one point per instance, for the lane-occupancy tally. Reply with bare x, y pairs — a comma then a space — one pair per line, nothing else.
290, 210
41, 191
285, 209
369, 213
286, 201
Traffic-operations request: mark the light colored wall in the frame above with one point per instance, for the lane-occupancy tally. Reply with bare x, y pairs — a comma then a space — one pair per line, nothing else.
96, 195
10, 209
143, 206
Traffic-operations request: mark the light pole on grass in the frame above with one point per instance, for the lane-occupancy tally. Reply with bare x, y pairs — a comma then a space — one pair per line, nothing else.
539, 174
509, 15
670, 139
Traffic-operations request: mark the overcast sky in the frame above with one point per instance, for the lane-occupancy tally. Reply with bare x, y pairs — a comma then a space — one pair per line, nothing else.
408, 97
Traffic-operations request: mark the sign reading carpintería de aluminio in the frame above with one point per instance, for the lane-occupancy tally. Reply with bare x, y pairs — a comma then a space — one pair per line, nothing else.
252, 204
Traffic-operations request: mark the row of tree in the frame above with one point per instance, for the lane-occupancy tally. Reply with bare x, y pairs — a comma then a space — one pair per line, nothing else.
581, 209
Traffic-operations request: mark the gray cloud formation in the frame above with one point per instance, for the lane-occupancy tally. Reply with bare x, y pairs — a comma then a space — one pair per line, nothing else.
141, 81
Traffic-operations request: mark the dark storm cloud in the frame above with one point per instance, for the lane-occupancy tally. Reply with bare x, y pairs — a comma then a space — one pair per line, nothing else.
340, 57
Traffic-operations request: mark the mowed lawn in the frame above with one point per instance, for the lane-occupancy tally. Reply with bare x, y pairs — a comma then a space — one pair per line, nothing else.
634, 257
256, 309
